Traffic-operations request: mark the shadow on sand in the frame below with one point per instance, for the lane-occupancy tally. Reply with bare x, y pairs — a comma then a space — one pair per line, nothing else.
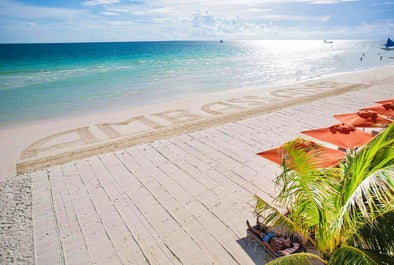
254, 250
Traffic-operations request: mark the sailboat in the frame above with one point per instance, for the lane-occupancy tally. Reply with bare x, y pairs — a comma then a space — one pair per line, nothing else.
389, 45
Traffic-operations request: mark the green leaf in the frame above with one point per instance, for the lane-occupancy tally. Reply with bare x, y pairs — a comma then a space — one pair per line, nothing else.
378, 235
351, 255
296, 259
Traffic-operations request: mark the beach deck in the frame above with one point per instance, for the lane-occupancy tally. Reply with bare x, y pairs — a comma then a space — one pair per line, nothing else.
179, 200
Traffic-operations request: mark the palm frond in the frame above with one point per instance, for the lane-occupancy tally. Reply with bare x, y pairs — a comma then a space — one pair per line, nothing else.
296, 259
351, 255
378, 235
372, 197
272, 215
367, 184
374, 192
276, 218
304, 181
376, 155
308, 191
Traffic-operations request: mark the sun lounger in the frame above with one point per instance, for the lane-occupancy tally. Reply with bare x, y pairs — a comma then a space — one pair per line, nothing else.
296, 248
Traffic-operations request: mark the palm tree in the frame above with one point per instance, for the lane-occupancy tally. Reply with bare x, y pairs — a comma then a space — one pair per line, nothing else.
346, 213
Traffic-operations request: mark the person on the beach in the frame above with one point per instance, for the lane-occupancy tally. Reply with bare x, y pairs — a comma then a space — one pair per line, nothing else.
276, 242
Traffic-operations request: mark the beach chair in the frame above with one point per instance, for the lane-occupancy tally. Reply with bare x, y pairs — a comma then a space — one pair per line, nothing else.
296, 248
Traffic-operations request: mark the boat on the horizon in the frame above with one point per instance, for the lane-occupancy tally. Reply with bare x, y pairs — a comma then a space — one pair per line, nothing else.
389, 45
328, 41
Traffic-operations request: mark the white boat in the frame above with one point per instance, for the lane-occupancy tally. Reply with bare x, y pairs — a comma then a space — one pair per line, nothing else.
389, 45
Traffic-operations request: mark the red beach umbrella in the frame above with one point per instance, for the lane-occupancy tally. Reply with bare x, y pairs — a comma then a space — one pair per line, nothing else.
385, 101
386, 109
342, 135
364, 118
325, 157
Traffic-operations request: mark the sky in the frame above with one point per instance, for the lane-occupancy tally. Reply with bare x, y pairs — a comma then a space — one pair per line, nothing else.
25, 21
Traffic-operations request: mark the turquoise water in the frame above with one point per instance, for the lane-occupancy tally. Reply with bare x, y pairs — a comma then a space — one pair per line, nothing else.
41, 81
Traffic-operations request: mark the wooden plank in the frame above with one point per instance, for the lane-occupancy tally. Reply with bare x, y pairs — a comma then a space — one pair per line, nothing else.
47, 243
167, 226
128, 195
191, 202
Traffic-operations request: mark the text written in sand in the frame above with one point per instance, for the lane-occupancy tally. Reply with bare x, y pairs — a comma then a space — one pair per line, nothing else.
94, 139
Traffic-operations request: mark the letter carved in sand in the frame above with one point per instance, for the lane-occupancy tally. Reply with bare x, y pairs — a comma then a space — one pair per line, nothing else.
178, 116
110, 128
62, 140
253, 100
294, 92
220, 107
325, 84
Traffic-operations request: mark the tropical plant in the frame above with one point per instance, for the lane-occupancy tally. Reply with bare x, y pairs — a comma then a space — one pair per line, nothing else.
346, 213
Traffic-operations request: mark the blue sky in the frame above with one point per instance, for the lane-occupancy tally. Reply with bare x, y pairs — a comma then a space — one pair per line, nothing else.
138, 20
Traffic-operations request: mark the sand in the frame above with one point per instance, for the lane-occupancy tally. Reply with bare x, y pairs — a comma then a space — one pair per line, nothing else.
171, 183
45, 143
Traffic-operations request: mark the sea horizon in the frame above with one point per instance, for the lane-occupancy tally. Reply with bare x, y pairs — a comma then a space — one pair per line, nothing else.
192, 40
49, 80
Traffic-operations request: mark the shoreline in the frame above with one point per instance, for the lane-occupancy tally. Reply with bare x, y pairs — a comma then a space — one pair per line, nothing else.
92, 114
59, 141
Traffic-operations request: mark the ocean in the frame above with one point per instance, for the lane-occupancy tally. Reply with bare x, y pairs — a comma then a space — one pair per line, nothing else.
45, 81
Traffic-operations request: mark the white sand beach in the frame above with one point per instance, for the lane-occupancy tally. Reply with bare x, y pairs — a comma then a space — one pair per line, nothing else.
171, 183
45, 143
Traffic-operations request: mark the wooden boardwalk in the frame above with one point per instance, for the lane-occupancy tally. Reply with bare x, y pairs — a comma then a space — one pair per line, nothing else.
182, 200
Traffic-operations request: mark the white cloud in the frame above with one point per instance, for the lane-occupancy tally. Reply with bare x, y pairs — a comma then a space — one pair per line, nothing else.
384, 28
99, 2
25, 12
26, 23
207, 3
110, 13
296, 18
117, 20
205, 23
324, 2
384, 4
129, 10
328, 2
